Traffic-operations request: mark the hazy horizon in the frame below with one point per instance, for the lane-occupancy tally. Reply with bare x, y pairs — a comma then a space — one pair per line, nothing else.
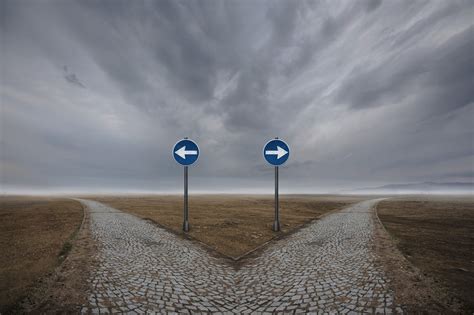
404, 189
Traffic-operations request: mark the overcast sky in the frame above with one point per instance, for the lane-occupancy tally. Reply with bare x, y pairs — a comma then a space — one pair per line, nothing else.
94, 94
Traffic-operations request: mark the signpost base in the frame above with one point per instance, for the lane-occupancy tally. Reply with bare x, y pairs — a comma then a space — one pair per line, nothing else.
186, 226
276, 226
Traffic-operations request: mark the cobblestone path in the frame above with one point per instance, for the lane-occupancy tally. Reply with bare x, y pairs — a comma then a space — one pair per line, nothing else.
327, 267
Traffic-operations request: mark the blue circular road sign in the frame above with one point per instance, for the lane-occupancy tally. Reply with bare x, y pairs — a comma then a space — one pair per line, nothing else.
186, 152
276, 152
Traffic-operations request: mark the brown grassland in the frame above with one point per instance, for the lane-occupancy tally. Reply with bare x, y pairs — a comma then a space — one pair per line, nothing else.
230, 224
35, 236
436, 234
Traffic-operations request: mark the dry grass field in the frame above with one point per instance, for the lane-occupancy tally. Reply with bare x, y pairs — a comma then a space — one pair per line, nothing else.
34, 238
436, 234
230, 224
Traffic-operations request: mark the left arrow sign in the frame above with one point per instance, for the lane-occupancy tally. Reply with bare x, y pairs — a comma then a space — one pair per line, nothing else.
185, 152
182, 152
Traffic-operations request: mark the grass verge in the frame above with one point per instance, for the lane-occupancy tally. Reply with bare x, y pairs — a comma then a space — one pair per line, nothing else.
436, 234
35, 236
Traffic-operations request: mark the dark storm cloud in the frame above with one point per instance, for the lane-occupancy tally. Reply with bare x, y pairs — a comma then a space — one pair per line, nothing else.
364, 92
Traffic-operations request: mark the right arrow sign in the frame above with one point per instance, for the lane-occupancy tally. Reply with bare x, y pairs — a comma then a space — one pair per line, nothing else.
276, 152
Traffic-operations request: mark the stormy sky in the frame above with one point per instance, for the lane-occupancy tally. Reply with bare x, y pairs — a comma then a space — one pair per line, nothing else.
94, 94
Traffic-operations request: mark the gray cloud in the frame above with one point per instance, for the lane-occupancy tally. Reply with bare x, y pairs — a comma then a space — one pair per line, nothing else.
367, 92
72, 78
447, 70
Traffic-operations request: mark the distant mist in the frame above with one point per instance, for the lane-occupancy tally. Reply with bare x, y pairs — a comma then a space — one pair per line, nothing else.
266, 188
419, 188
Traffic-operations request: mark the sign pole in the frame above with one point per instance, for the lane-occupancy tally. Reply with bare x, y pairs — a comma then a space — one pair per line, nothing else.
276, 224
186, 152
276, 152
186, 214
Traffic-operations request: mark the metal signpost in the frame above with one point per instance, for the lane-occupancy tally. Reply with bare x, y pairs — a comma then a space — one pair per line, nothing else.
186, 152
276, 152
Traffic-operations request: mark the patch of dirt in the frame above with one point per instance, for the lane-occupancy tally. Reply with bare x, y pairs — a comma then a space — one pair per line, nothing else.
418, 243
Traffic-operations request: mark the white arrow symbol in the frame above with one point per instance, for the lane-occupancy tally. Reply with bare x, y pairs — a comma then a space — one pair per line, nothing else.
279, 152
182, 152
